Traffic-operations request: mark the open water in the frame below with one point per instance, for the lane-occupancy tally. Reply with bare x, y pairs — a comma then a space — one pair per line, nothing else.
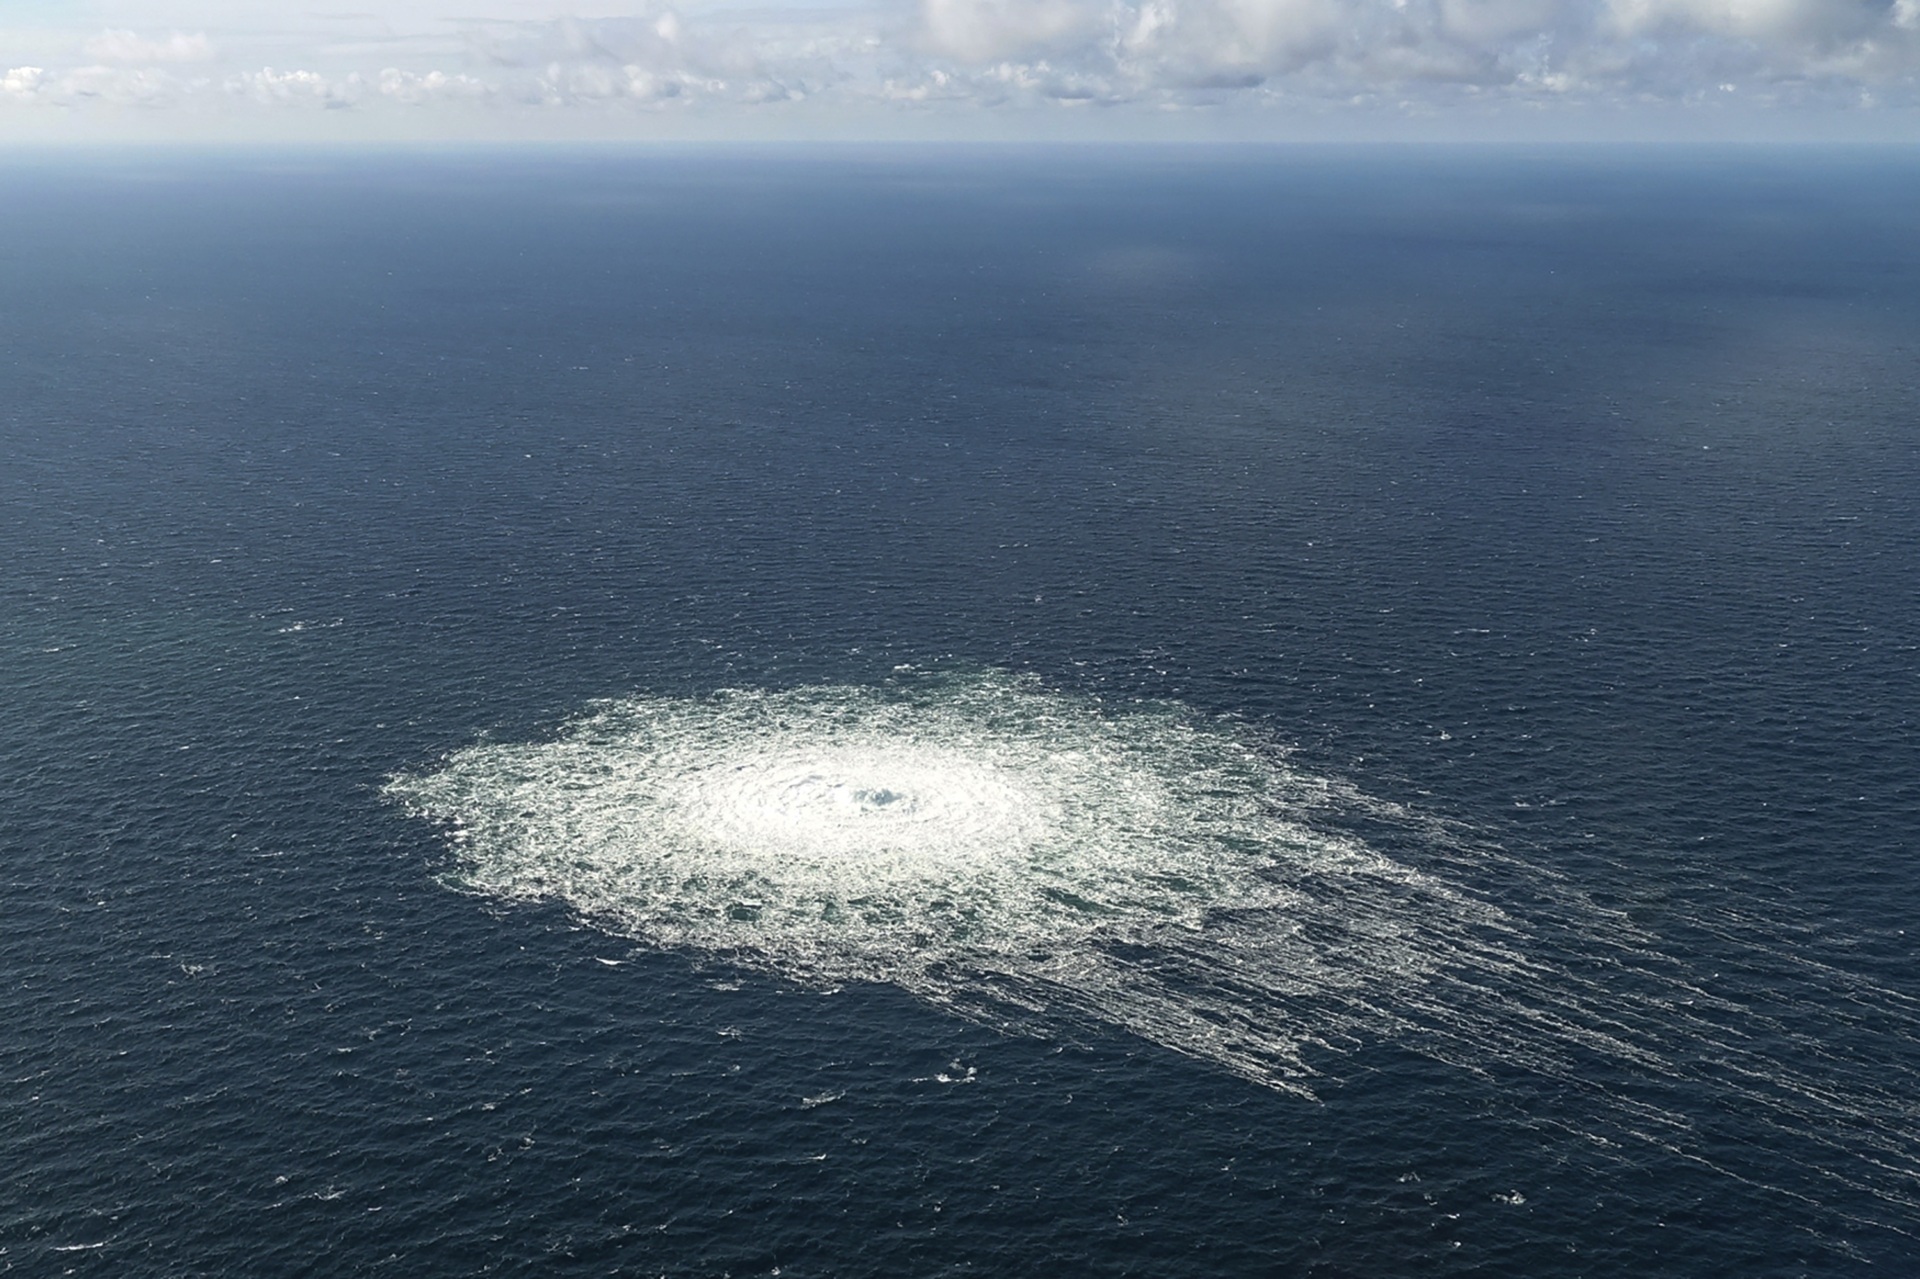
834, 713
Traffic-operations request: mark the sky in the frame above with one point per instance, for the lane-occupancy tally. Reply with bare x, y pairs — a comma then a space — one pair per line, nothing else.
1116, 70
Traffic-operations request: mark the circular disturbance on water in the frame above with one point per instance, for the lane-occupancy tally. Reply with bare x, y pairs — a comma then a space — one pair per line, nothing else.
1025, 856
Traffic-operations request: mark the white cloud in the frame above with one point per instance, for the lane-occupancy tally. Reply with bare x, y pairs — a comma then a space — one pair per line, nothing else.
1804, 21
268, 87
126, 46
991, 30
22, 82
977, 60
435, 86
1226, 43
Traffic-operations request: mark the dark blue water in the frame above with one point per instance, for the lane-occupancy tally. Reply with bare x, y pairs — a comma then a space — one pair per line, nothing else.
1563, 502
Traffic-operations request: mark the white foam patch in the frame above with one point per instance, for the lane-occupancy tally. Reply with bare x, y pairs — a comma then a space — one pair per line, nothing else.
981, 842
1041, 861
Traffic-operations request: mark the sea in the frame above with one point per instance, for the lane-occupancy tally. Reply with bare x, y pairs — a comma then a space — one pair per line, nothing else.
810, 711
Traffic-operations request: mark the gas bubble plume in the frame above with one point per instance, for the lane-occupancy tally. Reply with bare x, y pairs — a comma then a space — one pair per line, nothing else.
1045, 863
983, 843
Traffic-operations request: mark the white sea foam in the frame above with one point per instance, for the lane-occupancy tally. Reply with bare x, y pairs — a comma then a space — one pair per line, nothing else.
1042, 861
986, 844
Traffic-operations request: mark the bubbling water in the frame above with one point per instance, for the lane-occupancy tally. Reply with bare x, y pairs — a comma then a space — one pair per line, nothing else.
1041, 862
981, 842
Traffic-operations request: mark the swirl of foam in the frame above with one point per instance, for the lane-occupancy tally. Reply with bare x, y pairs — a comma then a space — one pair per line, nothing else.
980, 841
855, 803
1038, 861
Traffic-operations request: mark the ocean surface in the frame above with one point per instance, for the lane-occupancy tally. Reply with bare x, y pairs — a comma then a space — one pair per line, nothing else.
843, 713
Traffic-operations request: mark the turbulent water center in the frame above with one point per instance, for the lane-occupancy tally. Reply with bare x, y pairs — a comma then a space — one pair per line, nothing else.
1045, 861
980, 841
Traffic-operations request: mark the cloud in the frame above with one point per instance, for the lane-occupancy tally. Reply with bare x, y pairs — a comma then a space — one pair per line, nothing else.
268, 87
128, 47
22, 83
990, 30
1806, 22
435, 86
1227, 43
1000, 59
1245, 52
